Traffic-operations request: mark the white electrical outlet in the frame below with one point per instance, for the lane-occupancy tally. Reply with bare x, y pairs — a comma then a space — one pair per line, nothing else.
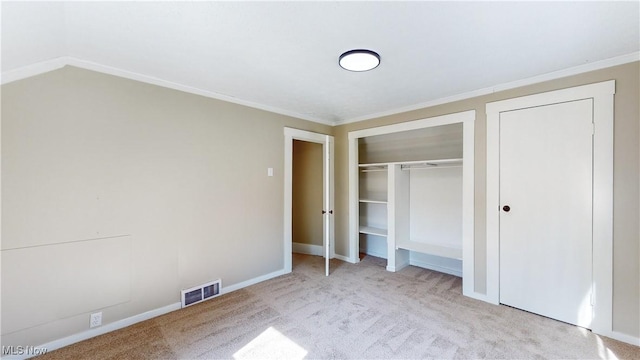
96, 319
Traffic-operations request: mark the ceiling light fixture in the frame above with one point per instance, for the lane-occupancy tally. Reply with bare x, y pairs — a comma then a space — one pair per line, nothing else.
359, 60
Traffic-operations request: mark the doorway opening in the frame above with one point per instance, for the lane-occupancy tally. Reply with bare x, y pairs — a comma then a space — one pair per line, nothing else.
307, 201
302, 186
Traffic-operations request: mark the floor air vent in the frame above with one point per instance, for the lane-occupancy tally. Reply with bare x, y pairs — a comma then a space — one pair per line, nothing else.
201, 293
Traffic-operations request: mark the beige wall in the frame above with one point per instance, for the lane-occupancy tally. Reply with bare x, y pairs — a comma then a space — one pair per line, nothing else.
179, 182
626, 282
307, 193
130, 192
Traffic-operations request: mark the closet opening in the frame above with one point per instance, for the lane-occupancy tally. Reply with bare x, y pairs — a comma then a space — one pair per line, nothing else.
411, 194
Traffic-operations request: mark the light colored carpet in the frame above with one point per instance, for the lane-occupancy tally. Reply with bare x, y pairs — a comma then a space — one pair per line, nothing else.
359, 312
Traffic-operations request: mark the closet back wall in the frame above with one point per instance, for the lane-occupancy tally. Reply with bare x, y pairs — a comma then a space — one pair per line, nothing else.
626, 243
87, 156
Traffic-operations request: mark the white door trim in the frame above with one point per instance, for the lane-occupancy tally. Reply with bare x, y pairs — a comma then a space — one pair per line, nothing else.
328, 223
327, 143
602, 95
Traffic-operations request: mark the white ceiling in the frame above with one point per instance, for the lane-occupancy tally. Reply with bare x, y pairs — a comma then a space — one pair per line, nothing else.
283, 56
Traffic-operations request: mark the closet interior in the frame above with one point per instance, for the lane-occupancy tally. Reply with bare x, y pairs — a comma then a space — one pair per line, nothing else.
410, 196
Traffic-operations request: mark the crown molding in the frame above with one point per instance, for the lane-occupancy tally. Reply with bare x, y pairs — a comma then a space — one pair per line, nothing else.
596, 65
33, 69
57, 63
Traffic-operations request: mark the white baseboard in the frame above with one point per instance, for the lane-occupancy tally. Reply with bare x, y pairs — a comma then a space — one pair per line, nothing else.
442, 269
423, 264
116, 325
120, 324
376, 254
66, 341
308, 249
244, 284
346, 259
398, 267
478, 296
622, 337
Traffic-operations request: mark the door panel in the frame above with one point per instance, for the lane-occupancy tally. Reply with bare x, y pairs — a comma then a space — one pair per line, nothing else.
546, 236
328, 204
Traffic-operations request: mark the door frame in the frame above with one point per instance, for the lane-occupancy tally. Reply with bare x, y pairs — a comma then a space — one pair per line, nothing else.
602, 95
327, 142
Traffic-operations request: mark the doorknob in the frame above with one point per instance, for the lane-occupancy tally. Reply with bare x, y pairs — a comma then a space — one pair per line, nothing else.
506, 208
323, 212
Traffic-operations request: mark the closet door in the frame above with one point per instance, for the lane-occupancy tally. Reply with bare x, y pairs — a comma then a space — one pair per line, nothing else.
546, 217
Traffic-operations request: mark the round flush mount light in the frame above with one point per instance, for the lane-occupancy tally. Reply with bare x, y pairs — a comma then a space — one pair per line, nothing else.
359, 60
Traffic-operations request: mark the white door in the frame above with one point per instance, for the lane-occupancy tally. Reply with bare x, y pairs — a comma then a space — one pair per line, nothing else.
328, 200
546, 193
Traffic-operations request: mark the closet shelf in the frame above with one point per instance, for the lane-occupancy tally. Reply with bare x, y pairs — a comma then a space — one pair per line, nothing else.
373, 197
431, 164
373, 201
373, 231
372, 167
406, 165
448, 252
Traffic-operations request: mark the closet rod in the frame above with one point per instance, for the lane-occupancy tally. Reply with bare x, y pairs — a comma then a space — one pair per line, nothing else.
429, 166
